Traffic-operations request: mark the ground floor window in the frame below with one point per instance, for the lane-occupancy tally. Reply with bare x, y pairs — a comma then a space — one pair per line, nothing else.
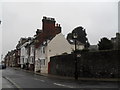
22, 60
32, 59
42, 61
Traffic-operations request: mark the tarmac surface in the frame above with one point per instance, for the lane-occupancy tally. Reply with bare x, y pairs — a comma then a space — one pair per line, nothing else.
19, 78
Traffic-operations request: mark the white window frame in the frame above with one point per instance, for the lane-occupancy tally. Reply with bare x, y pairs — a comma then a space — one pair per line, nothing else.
43, 62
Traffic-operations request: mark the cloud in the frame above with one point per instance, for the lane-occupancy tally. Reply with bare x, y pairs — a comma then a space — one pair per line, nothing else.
23, 18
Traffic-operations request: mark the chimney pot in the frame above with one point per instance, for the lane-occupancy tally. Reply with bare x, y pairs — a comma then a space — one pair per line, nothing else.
57, 25
44, 17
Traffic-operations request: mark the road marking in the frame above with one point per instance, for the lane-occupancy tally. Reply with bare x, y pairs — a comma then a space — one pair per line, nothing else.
39, 80
20, 75
63, 85
13, 83
42, 80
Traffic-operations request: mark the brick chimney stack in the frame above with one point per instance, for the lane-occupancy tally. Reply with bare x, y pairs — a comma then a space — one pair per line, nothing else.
58, 28
48, 25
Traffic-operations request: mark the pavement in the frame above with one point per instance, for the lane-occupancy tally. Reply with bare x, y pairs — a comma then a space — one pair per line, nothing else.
72, 78
7, 84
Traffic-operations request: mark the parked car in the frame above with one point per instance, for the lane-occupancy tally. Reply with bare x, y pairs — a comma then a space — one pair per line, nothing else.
2, 66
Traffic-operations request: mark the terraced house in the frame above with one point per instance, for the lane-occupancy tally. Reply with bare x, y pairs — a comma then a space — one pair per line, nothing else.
49, 42
33, 53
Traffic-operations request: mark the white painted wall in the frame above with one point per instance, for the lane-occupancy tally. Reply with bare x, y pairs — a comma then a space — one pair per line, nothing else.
23, 54
32, 50
57, 46
31, 54
37, 56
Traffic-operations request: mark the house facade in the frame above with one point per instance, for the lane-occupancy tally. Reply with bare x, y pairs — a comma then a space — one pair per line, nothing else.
22, 56
48, 31
25, 53
7, 59
11, 58
57, 46
49, 42
31, 55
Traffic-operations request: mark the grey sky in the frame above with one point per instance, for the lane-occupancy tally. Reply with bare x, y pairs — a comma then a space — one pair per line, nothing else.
100, 19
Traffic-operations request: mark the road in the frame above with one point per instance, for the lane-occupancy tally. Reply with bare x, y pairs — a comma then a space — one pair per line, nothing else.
7, 84
23, 79
4, 83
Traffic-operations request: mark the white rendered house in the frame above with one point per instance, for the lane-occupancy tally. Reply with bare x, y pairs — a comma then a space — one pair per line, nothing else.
24, 57
57, 46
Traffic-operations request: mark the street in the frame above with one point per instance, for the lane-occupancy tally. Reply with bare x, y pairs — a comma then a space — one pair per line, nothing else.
7, 84
22, 79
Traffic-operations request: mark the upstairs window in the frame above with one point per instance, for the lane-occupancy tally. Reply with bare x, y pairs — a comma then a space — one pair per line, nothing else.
43, 49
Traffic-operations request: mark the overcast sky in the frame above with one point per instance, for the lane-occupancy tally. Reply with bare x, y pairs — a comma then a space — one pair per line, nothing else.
21, 19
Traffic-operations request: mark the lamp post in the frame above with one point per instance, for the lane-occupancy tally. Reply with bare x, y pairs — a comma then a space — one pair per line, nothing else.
75, 53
